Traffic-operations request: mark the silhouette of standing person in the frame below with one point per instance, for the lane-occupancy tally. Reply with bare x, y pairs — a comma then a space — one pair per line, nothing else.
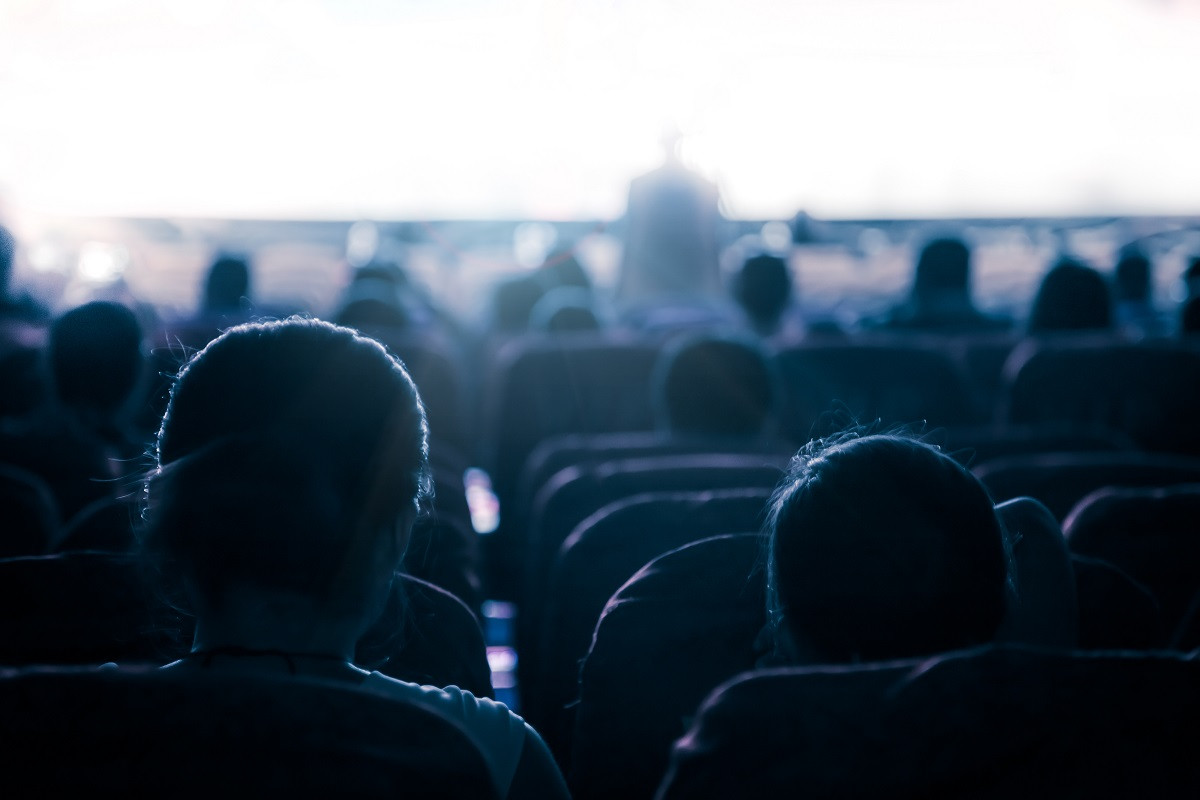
671, 236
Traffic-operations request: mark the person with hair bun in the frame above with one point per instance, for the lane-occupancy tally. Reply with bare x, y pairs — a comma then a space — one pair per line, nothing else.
290, 466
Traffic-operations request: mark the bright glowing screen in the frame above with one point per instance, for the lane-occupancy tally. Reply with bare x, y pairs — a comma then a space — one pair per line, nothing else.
470, 109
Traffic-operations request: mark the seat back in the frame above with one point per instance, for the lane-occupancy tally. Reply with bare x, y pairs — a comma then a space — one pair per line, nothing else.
996, 722
83, 608
1115, 611
143, 732
92, 607
30, 516
897, 383
576, 493
107, 525
540, 387
604, 552
1060, 480
685, 623
553, 455
1153, 535
1147, 391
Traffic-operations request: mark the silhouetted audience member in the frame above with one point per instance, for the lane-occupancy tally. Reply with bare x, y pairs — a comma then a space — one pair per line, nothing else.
1071, 298
291, 463
671, 235
1133, 294
22, 333
23, 308
515, 300
763, 288
381, 294
565, 309
940, 298
1189, 319
227, 286
882, 547
367, 313
81, 442
719, 387
512, 304
1191, 278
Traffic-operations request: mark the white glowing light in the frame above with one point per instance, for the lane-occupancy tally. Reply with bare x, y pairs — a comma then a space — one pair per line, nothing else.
546, 109
101, 263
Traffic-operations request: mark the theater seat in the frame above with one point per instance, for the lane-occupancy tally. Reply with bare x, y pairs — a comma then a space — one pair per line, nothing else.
1115, 611
1153, 535
92, 607
600, 555
127, 732
898, 383
578, 492
30, 518
1060, 480
684, 624
1148, 391
998, 722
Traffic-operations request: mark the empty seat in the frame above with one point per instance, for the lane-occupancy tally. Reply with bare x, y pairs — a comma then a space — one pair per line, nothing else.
897, 383
1115, 611
540, 387
1153, 535
599, 556
996, 722
1060, 480
1146, 390
29, 515
581, 450
107, 525
124, 732
684, 624
975, 445
578, 492
92, 607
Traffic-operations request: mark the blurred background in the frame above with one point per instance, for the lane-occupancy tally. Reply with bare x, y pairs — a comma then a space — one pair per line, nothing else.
466, 140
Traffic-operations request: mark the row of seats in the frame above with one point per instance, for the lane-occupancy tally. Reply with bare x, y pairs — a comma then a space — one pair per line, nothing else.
565, 593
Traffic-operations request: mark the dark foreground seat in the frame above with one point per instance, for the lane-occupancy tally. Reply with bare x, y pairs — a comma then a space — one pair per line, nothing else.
90, 608
1148, 391
130, 732
1060, 480
1153, 535
606, 550
998, 722
685, 623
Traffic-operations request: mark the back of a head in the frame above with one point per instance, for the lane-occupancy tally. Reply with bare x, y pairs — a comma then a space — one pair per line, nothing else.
562, 268
883, 547
369, 313
1191, 277
227, 283
1072, 297
1189, 322
763, 288
714, 386
943, 268
285, 449
512, 303
95, 354
564, 309
1132, 277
